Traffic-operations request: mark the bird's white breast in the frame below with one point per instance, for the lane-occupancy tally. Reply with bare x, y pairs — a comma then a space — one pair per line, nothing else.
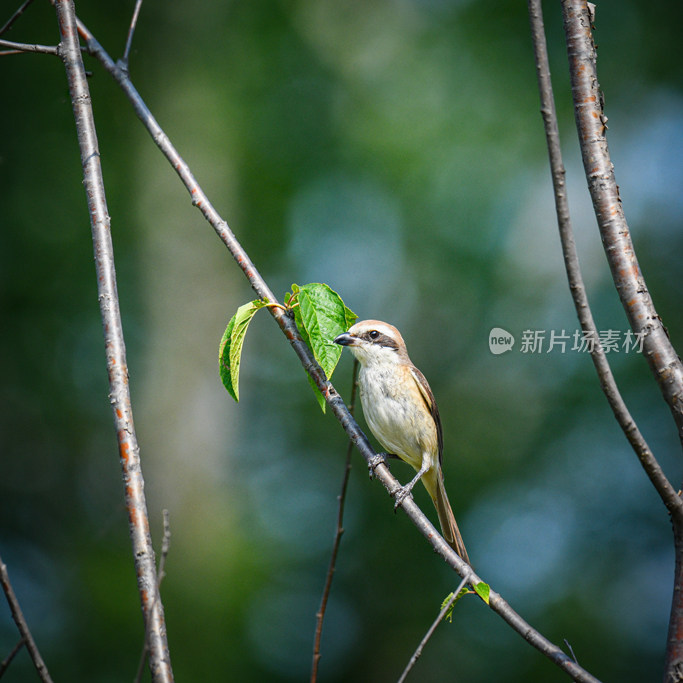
395, 411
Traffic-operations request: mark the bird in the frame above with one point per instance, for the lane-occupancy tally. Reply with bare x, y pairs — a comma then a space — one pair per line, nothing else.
400, 409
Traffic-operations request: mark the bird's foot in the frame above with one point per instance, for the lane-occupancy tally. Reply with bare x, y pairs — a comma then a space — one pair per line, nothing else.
374, 462
400, 494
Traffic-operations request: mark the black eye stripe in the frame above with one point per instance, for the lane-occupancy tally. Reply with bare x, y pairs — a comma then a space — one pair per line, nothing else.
380, 339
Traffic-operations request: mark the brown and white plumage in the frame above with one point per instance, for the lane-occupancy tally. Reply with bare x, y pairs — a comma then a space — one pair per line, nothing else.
401, 412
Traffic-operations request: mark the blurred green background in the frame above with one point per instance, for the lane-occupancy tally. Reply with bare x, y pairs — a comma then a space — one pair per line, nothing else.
394, 150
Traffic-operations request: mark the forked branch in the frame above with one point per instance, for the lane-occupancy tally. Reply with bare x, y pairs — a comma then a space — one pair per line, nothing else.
661, 356
576, 285
591, 123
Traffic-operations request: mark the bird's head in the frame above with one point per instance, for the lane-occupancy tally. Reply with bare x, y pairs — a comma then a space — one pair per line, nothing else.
372, 341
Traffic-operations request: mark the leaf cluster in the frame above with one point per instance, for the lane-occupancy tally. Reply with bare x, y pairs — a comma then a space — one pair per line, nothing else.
320, 315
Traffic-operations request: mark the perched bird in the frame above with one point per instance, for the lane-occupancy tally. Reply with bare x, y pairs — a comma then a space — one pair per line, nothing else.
401, 412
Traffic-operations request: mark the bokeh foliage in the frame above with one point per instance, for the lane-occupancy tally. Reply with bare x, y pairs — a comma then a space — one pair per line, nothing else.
394, 150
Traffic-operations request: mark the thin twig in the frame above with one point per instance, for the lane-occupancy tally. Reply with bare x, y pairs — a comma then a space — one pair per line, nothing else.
119, 391
123, 62
571, 650
320, 616
430, 631
4, 665
161, 573
14, 17
20, 621
591, 124
19, 48
334, 400
576, 285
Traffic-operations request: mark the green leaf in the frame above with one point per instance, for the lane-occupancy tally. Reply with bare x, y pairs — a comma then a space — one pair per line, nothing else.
318, 394
449, 615
230, 349
304, 335
321, 315
483, 590
324, 316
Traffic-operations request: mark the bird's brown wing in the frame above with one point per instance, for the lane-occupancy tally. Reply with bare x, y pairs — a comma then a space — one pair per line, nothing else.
428, 396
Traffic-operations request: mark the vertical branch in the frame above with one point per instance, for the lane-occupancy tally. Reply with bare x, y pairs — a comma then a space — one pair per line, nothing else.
591, 123
320, 616
673, 661
616, 238
576, 285
24, 631
161, 573
123, 62
119, 393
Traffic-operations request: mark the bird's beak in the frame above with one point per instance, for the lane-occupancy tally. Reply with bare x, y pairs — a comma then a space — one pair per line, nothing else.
345, 339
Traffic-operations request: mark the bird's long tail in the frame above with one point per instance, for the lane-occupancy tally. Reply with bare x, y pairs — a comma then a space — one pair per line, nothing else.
449, 527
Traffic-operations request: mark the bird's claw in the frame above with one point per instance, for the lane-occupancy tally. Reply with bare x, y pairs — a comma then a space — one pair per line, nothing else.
374, 462
400, 494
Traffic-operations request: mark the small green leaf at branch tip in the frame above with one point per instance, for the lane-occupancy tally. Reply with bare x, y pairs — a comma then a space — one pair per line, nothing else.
448, 598
483, 590
230, 349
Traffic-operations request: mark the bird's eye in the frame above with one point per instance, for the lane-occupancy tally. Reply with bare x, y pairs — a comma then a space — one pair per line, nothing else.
373, 334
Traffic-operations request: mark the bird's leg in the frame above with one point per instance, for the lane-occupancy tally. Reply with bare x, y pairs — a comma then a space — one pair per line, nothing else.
402, 492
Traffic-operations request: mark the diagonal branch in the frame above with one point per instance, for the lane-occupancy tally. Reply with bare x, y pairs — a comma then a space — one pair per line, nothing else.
671, 499
119, 392
334, 400
15, 16
4, 664
591, 123
430, 632
20, 621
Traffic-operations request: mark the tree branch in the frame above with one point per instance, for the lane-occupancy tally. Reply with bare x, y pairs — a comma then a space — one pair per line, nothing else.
664, 363
129, 451
4, 665
671, 499
334, 400
15, 16
18, 48
161, 573
430, 631
123, 62
20, 621
320, 616
591, 123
